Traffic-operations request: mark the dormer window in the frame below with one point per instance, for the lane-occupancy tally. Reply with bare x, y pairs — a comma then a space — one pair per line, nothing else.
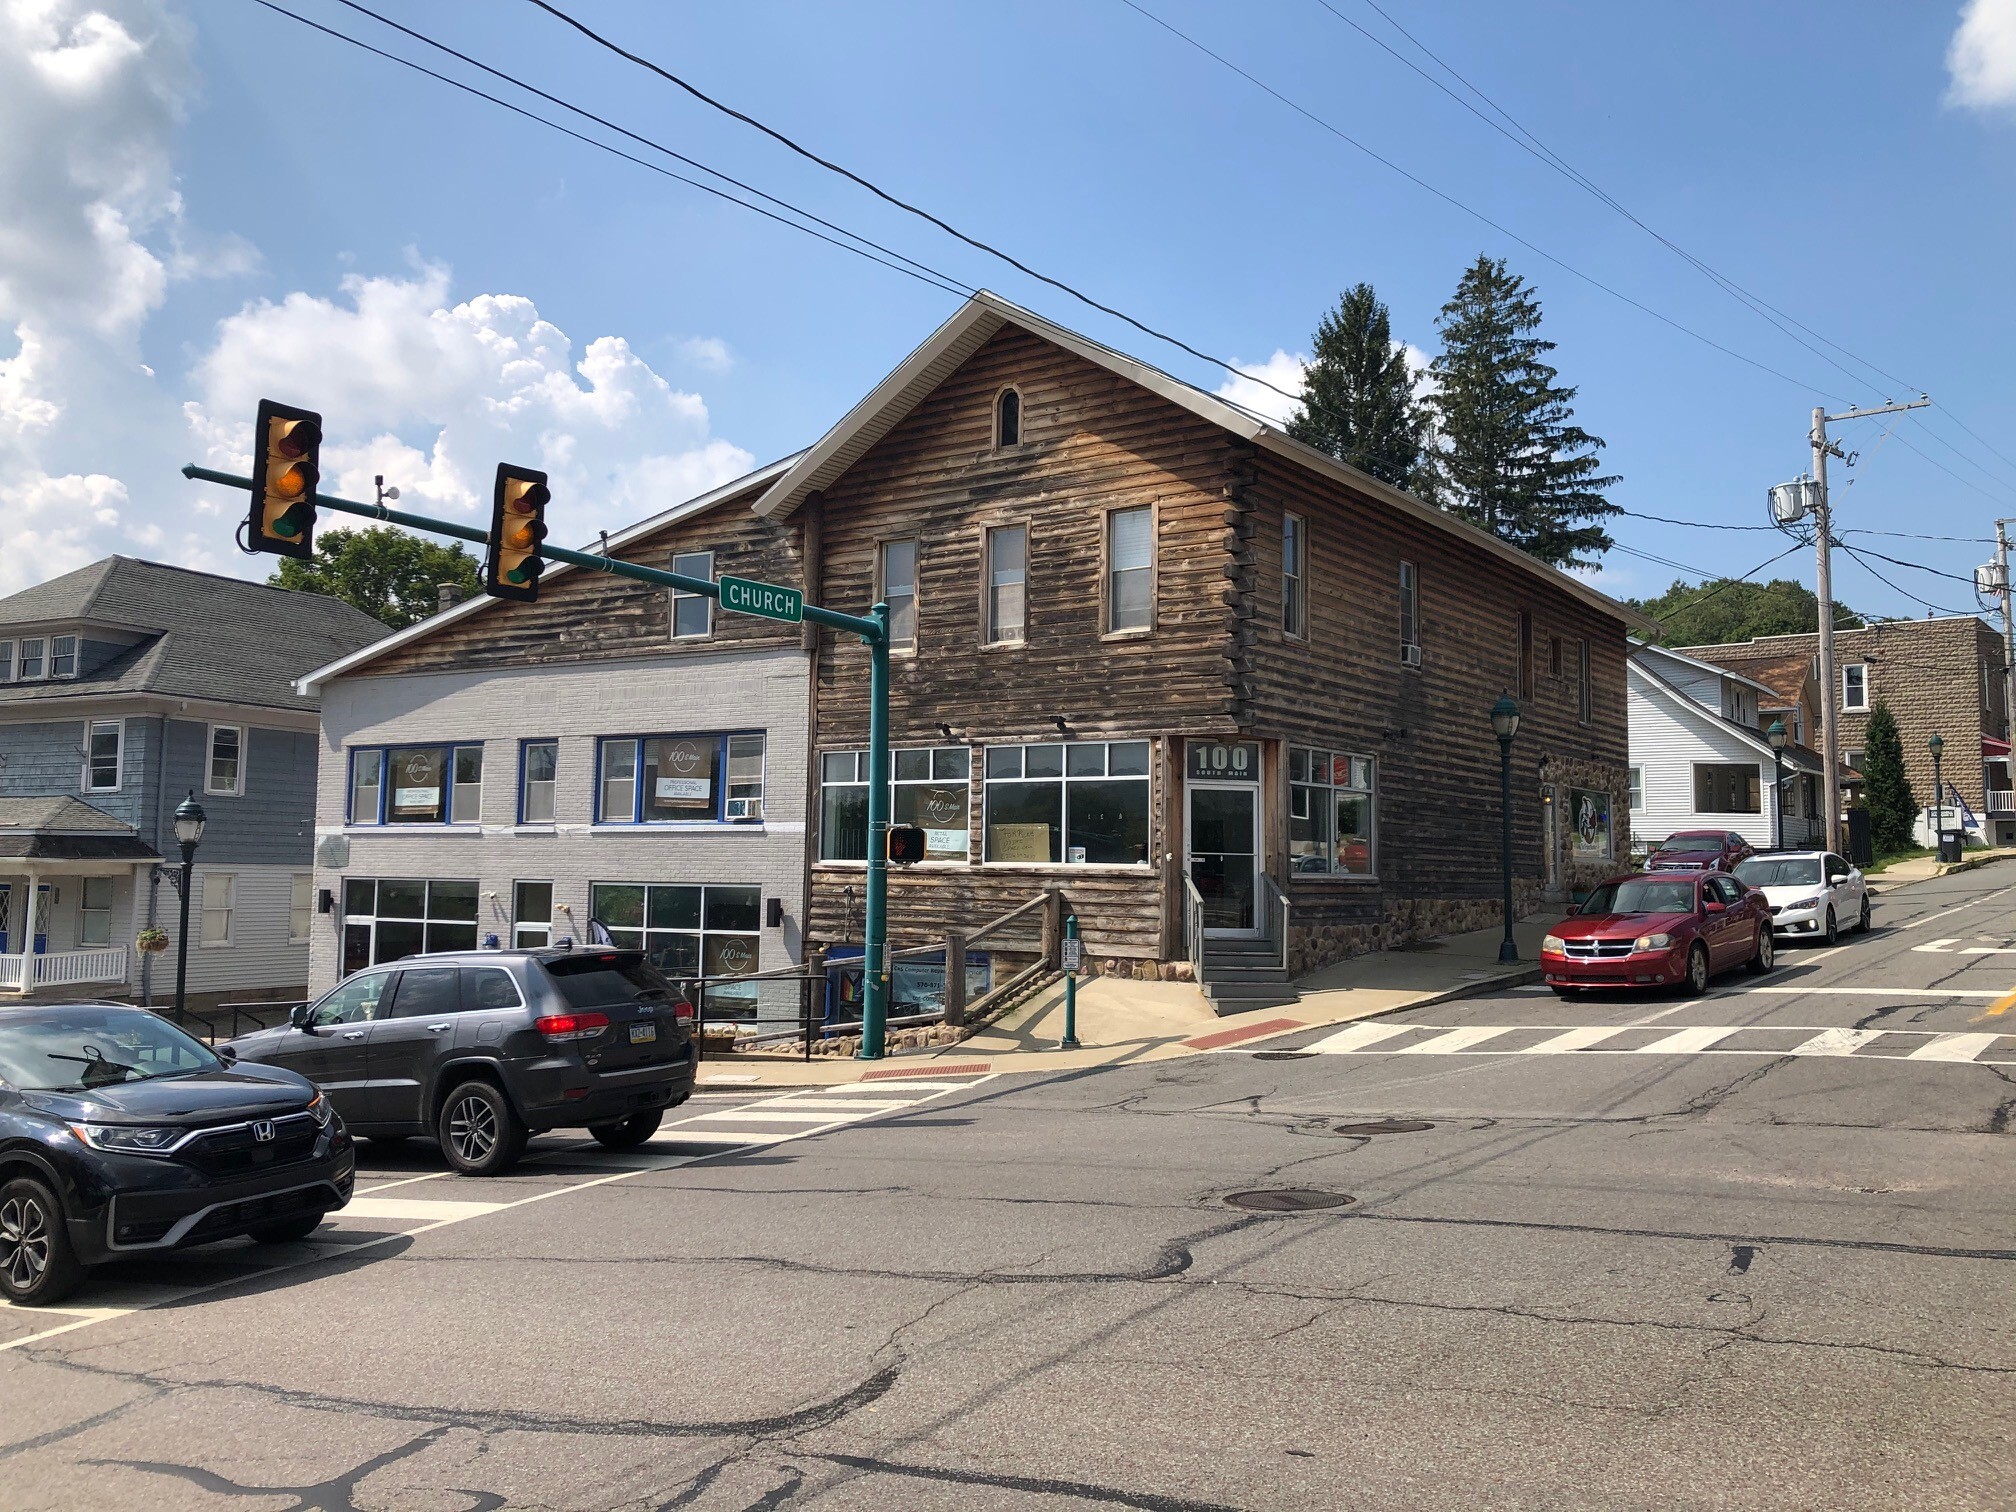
63, 656
1008, 418
31, 660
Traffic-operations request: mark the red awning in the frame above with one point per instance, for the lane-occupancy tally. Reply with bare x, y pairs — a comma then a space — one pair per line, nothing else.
1991, 747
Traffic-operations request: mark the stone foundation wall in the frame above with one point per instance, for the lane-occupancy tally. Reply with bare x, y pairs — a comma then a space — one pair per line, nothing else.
1404, 921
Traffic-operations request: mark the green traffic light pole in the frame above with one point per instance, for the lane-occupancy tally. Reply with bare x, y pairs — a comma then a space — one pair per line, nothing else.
1071, 962
874, 633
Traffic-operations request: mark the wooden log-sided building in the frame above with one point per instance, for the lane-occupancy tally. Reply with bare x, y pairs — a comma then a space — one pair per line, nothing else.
1156, 654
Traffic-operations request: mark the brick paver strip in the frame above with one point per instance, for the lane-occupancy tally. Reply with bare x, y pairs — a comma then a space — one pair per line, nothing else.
975, 1070
1233, 1036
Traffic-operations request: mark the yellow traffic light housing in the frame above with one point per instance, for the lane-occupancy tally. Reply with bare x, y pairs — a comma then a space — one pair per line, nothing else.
512, 564
286, 467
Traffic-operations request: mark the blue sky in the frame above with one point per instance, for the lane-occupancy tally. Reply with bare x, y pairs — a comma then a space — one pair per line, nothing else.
209, 203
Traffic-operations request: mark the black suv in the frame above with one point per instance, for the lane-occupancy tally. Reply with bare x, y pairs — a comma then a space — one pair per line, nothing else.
120, 1135
485, 1048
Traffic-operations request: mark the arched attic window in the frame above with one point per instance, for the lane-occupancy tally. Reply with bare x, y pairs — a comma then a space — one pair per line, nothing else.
1008, 418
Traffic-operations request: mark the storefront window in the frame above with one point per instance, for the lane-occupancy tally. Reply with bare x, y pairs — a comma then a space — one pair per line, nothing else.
1085, 803
689, 932
929, 787
1330, 813
390, 918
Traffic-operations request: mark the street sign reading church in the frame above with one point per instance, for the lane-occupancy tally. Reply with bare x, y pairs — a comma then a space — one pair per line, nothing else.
765, 600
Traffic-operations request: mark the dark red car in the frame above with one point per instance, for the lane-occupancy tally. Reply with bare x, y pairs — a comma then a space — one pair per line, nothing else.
1659, 929
1700, 850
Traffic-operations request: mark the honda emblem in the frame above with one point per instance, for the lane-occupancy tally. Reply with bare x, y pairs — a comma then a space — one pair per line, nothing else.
262, 1131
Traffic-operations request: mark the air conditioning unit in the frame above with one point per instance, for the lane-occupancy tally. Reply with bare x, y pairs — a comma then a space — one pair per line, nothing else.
1410, 656
745, 808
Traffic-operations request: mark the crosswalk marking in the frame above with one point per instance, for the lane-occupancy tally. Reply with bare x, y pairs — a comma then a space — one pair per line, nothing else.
417, 1207
778, 1115
1389, 1038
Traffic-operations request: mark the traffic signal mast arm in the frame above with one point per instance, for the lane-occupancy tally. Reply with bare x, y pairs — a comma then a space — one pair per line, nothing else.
867, 629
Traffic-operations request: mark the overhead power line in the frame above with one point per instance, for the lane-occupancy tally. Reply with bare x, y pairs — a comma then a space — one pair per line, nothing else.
1727, 583
901, 204
1897, 588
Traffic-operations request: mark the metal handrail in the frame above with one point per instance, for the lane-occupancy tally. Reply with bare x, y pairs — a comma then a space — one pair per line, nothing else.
1193, 927
1272, 893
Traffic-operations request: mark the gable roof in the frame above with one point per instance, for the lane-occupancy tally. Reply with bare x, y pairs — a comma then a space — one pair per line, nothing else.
203, 635
1704, 666
1797, 757
977, 321
728, 493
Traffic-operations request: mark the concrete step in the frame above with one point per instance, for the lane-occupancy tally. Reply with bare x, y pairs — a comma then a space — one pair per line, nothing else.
1248, 996
1245, 974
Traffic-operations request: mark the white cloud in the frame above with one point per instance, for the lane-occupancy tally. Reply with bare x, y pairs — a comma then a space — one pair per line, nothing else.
1982, 56
1283, 370
52, 523
433, 395
709, 353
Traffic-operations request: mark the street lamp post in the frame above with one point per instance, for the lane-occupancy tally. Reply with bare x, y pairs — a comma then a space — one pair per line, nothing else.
1937, 746
189, 822
1777, 736
1505, 725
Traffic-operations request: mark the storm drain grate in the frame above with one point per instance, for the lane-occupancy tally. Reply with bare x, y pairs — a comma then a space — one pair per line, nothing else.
1282, 1055
1386, 1126
1287, 1200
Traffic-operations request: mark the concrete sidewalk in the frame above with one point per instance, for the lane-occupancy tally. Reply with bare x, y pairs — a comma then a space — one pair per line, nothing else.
1123, 1022
1925, 868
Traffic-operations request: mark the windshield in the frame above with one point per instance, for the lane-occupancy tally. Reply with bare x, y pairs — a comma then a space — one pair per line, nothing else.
592, 981
1641, 895
81, 1049
1781, 871
1693, 840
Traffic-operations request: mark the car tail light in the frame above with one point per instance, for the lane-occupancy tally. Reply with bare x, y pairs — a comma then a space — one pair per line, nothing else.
682, 1011
560, 1027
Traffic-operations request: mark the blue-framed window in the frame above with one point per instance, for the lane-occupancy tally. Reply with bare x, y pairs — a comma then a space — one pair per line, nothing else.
421, 784
538, 764
679, 779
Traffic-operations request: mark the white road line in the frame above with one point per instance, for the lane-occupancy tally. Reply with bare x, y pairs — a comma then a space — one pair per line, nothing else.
781, 1115
1907, 992
1684, 1041
1357, 1036
1953, 1047
853, 1104
1958, 908
1451, 1042
86, 1317
386, 1186
1653, 1018
414, 1207
1576, 1039
1836, 1042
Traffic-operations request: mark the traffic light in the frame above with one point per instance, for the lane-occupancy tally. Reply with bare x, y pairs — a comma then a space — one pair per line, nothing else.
512, 565
906, 844
286, 466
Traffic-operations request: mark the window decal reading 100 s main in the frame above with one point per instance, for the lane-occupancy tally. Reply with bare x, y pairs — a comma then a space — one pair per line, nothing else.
672, 779
416, 785
930, 788
688, 932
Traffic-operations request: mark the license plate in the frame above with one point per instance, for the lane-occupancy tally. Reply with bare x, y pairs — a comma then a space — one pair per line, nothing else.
643, 1034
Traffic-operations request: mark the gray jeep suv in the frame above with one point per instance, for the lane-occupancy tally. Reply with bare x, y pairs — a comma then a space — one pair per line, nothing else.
485, 1048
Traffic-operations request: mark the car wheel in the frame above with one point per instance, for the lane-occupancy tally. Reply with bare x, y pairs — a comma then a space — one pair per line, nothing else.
1863, 923
1833, 934
1697, 971
480, 1132
628, 1134
288, 1232
37, 1265
1767, 952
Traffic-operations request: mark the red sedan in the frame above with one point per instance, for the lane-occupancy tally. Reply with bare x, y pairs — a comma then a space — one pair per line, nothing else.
1700, 850
1659, 929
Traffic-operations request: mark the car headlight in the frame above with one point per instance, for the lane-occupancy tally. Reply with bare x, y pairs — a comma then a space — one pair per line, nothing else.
1652, 941
320, 1111
1554, 944
1804, 903
130, 1139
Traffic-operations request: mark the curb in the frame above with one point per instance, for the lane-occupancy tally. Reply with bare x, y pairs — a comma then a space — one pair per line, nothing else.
1880, 884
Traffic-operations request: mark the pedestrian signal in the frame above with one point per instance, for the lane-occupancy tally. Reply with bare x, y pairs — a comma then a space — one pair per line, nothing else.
906, 844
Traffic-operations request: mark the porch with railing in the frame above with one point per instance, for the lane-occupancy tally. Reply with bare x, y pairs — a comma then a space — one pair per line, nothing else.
62, 968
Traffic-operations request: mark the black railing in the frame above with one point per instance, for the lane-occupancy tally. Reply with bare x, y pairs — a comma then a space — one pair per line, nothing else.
229, 1020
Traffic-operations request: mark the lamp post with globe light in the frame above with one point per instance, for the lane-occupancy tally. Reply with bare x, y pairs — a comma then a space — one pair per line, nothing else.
1777, 736
1505, 725
189, 822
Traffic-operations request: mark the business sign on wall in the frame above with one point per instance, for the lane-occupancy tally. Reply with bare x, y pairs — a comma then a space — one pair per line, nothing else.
1222, 760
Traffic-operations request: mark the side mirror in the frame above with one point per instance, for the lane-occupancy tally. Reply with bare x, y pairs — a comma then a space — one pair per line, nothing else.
227, 1055
298, 1017
1714, 907
1573, 909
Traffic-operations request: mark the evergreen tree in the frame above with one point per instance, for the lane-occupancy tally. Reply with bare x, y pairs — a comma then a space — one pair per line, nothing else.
1511, 458
1893, 812
1358, 397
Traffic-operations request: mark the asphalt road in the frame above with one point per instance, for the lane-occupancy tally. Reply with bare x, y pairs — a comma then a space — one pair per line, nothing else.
1758, 1265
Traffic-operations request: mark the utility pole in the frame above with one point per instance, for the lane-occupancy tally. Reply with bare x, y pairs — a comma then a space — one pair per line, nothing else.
1823, 587
2008, 632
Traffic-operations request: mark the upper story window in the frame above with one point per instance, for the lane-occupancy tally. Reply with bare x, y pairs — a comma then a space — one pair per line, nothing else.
538, 765
1007, 584
440, 784
1523, 649
692, 613
1082, 803
1008, 418
1130, 569
1330, 799
6, 661
680, 779
103, 743
224, 771
1637, 789
1855, 686
63, 656
1410, 614
1585, 685
897, 588
1294, 575
32, 659
1553, 656
931, 789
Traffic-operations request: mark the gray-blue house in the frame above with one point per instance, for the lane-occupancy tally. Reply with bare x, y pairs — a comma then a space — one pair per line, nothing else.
125, 686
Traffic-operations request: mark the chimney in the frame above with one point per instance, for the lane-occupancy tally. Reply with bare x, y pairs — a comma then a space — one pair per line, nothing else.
448, 595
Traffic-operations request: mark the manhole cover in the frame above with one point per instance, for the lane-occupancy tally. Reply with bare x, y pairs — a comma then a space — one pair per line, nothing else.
1386, 1126
1282, 1055
1287, 1200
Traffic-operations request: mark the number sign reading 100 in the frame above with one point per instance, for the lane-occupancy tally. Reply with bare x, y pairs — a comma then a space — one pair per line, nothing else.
1224, 761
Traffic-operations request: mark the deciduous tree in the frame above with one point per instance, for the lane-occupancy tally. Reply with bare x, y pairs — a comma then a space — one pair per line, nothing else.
389, 574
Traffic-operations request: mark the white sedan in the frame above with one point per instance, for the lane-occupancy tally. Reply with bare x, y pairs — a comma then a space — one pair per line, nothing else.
1812, 893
